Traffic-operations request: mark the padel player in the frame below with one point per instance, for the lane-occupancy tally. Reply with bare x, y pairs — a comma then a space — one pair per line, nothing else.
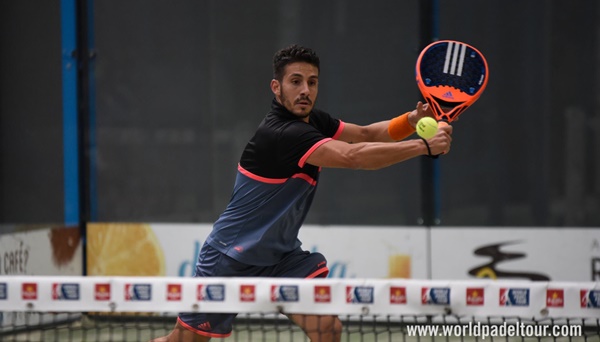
277, 175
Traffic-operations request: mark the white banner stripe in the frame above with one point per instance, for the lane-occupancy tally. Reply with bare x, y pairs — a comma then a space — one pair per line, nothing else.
461, 59
393, 296
448, 54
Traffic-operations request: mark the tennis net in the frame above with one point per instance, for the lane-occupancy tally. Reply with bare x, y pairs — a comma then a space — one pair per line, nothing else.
142, 308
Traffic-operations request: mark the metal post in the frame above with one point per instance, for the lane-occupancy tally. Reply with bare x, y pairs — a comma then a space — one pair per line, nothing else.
430, 200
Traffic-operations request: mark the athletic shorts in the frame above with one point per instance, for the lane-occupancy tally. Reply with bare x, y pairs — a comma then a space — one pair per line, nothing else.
212, 263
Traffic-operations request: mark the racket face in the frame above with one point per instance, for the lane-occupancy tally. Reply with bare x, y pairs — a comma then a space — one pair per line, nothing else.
451, 75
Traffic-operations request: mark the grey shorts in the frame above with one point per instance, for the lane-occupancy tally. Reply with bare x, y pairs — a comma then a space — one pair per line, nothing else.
212, 263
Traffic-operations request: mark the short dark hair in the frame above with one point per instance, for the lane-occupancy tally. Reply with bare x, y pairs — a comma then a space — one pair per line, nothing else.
291, 54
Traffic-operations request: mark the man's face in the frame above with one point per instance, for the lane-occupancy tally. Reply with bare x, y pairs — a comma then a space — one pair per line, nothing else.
297, 92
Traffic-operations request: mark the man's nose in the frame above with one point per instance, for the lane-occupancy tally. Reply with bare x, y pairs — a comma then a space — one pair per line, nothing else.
305, 89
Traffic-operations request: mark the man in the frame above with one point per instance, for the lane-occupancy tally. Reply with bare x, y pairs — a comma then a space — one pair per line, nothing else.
257, 234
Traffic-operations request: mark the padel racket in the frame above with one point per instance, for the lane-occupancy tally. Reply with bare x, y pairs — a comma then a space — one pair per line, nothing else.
451, 76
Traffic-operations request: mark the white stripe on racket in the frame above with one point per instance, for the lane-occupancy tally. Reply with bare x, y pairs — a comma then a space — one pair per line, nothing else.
455, 54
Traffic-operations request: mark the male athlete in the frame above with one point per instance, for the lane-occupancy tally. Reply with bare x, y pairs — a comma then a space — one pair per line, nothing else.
277, 175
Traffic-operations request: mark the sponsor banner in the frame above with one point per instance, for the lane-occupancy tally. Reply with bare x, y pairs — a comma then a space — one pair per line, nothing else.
573, 299
555, 298
351, 252
427, 297
65, 291
540, 254
398, 295
52, 293
247, 293
285, 293
370, 252
514, 296
322, 294
138, 292
555, 254
477, 298
360, 294
211, 292
435, 295
46, 251
3, 291
589, 298
174, 292
102, 291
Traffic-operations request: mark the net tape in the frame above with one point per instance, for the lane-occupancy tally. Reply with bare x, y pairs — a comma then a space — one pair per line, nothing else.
377, 297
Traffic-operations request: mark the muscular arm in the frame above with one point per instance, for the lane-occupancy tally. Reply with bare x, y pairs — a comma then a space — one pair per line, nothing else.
378, 132
370, 147
377, 155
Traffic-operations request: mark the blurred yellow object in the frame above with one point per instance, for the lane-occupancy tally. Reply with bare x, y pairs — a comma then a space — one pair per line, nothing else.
399, 266
116, 249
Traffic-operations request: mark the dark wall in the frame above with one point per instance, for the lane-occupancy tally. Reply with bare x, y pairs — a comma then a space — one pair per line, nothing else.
180, 92
181, 86
31, 164
527, 153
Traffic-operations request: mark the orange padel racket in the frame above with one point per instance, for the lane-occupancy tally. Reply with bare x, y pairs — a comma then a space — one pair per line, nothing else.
451, 76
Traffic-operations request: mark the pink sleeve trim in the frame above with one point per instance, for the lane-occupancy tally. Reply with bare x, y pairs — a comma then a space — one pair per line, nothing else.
339, 130
311, 150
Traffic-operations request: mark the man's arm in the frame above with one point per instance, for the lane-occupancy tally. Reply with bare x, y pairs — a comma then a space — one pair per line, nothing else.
377, 155
378, 132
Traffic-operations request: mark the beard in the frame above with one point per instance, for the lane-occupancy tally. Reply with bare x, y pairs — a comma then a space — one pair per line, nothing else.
288, 104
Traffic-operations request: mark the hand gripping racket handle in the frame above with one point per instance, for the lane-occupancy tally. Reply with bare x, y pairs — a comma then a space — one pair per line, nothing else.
441, 123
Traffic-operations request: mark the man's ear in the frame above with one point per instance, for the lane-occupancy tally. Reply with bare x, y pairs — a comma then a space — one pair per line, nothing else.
276, 87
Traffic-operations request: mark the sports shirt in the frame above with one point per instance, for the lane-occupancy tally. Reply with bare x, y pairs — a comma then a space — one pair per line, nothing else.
274, 187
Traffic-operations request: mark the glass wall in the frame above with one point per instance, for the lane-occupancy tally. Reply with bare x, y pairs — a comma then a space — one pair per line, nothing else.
180, 87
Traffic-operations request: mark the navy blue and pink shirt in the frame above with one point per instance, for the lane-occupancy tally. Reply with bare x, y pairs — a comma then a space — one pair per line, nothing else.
274, 187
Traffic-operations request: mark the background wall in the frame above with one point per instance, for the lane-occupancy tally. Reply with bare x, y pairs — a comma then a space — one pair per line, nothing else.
180, 87
30, 112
